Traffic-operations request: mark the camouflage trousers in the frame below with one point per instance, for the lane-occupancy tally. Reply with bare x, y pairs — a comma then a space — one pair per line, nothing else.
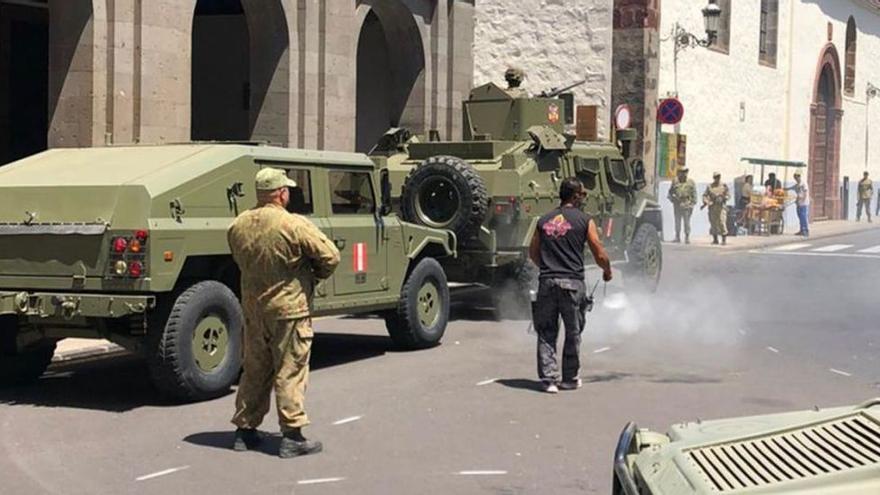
566, 299
276, 355
866, 204
683, 215
718, 220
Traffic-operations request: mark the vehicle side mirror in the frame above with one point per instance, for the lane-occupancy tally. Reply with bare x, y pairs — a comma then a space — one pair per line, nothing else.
385, 186
638, 173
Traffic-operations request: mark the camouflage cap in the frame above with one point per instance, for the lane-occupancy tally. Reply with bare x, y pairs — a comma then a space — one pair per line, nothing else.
514, 73
683, 170
270, 179
716, 174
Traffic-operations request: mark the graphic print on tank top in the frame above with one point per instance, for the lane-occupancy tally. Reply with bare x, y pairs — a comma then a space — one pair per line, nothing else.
557, 227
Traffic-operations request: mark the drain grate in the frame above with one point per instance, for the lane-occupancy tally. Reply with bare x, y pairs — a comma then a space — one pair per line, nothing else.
823, 449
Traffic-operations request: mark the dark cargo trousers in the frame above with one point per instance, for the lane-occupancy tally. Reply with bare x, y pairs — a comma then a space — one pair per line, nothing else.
566, 299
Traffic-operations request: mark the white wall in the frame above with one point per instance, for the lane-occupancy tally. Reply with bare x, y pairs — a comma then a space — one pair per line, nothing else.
556, 42
777, 100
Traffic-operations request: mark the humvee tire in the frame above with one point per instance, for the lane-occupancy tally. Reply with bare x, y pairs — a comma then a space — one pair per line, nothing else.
445, 192
19, 368
645, 260
196, 353
423, 311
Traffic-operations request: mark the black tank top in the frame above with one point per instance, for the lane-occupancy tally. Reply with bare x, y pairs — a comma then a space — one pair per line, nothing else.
563, 234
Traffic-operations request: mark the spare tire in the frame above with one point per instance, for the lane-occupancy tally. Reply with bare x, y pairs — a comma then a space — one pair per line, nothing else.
445, 192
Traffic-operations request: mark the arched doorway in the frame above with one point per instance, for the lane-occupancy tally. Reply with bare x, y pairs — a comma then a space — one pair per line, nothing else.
24, 79
825, 125
390, 73
220, 71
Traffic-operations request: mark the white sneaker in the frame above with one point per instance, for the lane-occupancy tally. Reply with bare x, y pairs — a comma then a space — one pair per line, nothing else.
551, 388
572, 385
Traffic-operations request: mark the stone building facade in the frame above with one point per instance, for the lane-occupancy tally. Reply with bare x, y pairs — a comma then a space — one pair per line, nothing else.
325, 74
556, 42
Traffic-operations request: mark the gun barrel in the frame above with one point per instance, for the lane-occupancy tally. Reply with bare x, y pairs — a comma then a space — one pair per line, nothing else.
553, 93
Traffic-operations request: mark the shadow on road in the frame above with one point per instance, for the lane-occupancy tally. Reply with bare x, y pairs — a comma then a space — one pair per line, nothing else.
122, 383
223, 440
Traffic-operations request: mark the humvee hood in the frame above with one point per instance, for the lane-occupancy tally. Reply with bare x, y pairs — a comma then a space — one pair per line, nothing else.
832, 451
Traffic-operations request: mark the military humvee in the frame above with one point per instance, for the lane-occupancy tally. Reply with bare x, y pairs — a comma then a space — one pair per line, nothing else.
129, 244
812, 452
491, 187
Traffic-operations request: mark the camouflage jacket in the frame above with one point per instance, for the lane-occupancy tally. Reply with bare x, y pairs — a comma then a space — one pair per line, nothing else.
716, 195
683, 194
866, 189
281, 257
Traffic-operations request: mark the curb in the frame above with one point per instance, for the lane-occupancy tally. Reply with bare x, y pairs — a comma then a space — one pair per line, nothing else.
86, 354
772, 241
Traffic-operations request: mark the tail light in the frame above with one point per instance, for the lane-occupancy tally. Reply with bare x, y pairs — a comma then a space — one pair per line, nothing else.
509, 207
128, 255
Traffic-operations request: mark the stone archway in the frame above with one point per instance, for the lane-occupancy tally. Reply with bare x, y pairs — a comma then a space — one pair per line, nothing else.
240, 68
390, 73
826, 115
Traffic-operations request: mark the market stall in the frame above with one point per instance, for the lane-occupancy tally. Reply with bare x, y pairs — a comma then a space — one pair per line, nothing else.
763, 213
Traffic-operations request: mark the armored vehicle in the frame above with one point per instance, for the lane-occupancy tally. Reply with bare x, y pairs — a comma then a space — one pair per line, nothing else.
812, 452
491, 187
129, 244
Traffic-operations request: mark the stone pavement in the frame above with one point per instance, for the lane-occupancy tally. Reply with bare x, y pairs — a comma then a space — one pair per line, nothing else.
818, 230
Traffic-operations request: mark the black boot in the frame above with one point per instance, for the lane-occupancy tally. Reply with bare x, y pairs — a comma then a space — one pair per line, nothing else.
715, 240
294, 444
246, 439
724, 240
687, 239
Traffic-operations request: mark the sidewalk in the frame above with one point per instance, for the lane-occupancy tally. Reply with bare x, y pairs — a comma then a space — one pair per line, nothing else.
80, 349
818, 230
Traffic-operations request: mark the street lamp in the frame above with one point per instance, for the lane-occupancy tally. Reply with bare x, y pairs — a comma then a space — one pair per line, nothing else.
685, 39
870, 92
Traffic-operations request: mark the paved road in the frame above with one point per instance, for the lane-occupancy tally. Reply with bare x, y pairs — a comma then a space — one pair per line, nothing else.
729, 333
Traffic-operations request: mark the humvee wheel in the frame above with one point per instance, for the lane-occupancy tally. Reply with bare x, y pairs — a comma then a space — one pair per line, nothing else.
421, 316
196, 354
645, 259
21, 367
445, 192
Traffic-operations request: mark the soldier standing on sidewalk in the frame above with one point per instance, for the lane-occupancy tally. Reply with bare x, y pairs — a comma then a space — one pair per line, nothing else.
683, 196
281, 256
557, 248
715, 197
866, 194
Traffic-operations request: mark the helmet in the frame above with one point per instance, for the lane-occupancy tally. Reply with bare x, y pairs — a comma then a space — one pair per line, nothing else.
514, 74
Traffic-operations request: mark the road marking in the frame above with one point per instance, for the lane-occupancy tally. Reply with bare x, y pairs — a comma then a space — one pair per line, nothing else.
481, 473
486, 382
841, 373
161, 473
832, 248
792, 247
600, 351
347, 420
871, 250
773, 349
825, 255
319, 480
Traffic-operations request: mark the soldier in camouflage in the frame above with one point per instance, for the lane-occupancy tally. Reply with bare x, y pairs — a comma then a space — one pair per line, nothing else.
683, 196
514, 77
281, 256
866, 193
715, 197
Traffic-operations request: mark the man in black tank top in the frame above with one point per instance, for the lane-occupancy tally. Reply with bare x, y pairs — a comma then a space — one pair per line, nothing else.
557, 248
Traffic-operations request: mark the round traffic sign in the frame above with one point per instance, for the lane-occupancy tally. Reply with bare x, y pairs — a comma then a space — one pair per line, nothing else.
622, 117
670, 111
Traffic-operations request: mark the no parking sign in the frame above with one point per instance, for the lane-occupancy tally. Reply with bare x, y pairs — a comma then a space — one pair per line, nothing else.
670, 111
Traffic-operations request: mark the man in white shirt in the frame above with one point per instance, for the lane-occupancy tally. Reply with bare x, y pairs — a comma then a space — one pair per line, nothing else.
802, 192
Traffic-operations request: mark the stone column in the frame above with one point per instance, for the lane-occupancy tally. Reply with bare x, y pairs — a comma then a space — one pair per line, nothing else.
75, 98
460, 73
636, 69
